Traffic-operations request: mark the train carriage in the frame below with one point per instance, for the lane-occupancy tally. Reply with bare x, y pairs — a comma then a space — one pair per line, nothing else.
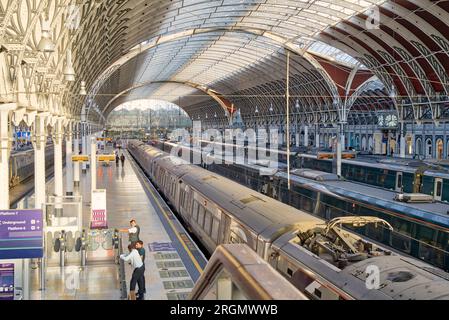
219, 210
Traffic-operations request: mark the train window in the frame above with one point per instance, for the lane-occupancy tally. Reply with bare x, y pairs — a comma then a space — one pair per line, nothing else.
426, 237
173, 187
400, 238
350, 173
425, 234
289, 272
399, 184
375, 232
207, 222
438, 188
440, 251
234, 238
195, 210
181, 198
201, 215
189, 200
215, 229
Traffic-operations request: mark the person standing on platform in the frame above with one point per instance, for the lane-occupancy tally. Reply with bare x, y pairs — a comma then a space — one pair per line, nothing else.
141, 282
117, 159
122, 158
133, 231
138, 270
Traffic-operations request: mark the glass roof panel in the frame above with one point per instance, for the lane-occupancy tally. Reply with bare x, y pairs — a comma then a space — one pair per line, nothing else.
209, 58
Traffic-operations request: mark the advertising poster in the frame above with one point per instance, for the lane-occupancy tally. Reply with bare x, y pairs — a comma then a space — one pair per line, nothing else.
7, 281
99, 213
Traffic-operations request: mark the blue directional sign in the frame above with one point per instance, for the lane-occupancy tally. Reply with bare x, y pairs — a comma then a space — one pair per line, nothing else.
21, 234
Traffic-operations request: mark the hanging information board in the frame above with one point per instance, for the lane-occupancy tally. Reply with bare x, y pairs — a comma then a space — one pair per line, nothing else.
106, 157
80, 158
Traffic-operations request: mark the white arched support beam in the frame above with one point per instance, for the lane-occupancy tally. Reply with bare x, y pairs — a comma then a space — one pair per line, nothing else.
224, 103
39, 143
68, 125
280, 40
57, 135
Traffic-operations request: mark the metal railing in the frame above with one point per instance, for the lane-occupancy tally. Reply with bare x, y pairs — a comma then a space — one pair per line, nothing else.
235, 272
118, 246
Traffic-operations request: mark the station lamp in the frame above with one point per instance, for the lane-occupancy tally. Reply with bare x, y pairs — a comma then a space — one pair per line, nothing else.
393, 92
83, 91
69, 72
297, 104
46, 44
257, 109
271, 107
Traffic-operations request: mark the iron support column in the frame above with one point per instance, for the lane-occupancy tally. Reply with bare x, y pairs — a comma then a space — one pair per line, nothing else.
402, 141
76, 151
40, 141
84, 143
68, 160
57, 142
340, 143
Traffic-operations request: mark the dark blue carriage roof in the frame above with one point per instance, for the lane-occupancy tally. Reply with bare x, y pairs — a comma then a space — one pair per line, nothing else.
435, 213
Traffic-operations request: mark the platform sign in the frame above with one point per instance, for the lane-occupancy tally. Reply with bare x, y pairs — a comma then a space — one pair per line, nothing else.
104, 139
21, 234
106, 157
80, 158
6, 281
98, 212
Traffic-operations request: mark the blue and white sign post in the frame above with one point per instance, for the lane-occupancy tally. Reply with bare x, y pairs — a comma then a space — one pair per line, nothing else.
21, 234
21, 237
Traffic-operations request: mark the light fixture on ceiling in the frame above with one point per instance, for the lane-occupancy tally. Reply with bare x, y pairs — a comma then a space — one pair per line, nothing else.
206, 115
271, 107
69, 72
257, 109
393, 92
215, 115
46, 44
297, 104
83, 91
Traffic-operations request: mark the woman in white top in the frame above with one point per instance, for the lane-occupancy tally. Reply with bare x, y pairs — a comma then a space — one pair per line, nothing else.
139, 269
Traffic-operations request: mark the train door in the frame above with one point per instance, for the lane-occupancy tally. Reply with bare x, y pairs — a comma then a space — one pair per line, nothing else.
417, 183
399, 181
438, 189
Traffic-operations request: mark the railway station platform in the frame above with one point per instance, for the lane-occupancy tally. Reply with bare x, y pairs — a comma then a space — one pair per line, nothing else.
173, 262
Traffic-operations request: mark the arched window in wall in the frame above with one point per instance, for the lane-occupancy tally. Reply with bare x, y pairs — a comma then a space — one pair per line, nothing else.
429, 148
439, 146
419, 147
